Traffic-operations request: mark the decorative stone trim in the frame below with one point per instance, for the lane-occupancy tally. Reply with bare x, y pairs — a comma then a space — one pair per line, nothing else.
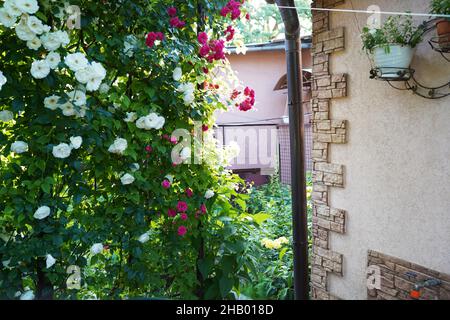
329, 218
325, 87
398, 278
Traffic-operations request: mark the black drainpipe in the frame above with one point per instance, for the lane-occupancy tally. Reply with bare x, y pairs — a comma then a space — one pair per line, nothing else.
296, 127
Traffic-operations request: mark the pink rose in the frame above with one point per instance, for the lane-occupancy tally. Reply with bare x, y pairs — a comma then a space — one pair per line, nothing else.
182, 206
166, 184
172, 11
171, 213
202, 38
182, 231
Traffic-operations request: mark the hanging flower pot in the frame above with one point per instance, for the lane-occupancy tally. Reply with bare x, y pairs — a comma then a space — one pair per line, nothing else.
392, 47
392, 60
442, 7
443, 32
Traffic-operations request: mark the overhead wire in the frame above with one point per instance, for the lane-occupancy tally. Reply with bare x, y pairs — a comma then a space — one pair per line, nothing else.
393, 13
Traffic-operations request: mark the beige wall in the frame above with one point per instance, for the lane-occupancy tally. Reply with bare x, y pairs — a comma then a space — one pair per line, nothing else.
397, 161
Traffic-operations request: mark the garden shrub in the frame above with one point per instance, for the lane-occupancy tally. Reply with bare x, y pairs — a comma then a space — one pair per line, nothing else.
90, 95
271, 207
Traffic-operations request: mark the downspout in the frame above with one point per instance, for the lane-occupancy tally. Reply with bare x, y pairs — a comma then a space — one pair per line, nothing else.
296, 128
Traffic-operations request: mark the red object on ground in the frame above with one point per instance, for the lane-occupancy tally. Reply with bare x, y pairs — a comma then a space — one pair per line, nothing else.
415, 294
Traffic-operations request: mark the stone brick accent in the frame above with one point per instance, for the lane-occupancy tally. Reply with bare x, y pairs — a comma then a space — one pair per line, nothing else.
398, 278
329, 218
325, 87
328, 174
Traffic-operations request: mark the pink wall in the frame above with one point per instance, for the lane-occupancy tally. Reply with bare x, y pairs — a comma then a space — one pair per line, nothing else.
261, 71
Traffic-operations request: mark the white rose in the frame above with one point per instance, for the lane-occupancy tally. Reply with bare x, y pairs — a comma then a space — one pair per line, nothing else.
63, 37
232, 150
93, 84
19, 147
11, 8
127, 179
141, 123
23, 32
96, 74
76, 61
188, 99
40, 69
27, 6
144, 238
35, 25
6, 115
98, 70
186, 88
27, 295
76, 142
156, 122
83, 75
34, 44
104, 88
68, 109
50, 41
240, 47
135, 167
131, 117
209, 194
61, 151
152, 121
77, 97
177, 74
53, 59
185, 153
7, 19
81, 112
51, 102
96, 248
3, 80
119, 146
42, 213
50, 261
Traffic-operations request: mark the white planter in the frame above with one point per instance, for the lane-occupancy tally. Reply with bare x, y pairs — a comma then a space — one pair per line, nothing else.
392, 61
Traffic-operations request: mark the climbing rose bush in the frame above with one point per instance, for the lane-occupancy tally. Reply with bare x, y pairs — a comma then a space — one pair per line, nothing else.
92, 203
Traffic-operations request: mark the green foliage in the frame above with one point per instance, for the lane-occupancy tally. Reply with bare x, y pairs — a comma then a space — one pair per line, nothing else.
396, 30
440, 7
273, 277
88, 202
266, 23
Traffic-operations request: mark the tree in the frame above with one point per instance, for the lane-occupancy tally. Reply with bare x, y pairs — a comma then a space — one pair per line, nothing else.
90, 96
266, 23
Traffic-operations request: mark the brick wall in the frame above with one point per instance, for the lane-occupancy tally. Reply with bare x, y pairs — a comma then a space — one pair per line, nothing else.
399, 276
326, 131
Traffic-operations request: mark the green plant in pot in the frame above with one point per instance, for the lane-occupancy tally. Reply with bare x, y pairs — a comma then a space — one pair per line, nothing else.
392, 45
442, 7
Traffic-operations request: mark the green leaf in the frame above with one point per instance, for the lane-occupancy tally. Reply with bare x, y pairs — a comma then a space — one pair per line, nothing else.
205, 266
282, 253
260, 218
225, 285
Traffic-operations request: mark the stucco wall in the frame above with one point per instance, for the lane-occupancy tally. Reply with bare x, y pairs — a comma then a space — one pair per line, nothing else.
397, 161
261, 71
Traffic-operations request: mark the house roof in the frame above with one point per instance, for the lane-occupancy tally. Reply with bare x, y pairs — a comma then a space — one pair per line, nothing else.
272, 46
